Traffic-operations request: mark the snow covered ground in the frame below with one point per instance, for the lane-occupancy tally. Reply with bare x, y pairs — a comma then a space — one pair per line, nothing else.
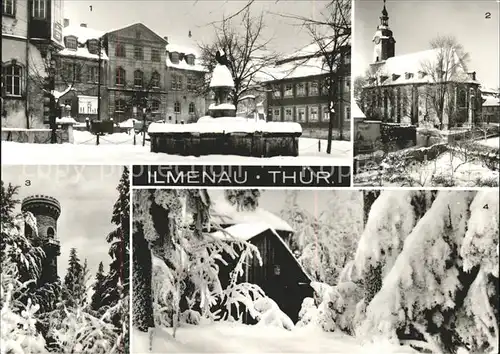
119, 149
491, 142
446, 167
224, 337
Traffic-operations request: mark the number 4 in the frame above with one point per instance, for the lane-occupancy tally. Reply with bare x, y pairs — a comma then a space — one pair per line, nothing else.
487, 15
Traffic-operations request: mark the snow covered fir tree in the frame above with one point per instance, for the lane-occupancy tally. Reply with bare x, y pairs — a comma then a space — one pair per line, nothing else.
43, 311
403, 271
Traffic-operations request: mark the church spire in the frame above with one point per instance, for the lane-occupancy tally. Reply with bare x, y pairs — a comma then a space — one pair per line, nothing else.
384, 19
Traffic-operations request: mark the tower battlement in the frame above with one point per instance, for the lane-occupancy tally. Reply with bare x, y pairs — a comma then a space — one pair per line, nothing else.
42, 204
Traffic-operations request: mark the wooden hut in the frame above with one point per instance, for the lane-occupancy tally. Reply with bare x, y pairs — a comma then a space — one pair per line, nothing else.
281, 276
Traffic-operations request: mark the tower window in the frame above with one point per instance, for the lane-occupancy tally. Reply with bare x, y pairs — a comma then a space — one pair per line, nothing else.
51, 232
39, 9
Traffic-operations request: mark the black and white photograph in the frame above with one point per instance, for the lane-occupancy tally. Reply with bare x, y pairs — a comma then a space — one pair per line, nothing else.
176, 81
296, 271
426, 92
65, 259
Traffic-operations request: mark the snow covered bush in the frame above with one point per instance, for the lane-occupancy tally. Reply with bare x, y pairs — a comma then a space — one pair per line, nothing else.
269, 314
418, 296
477, 322
335, 309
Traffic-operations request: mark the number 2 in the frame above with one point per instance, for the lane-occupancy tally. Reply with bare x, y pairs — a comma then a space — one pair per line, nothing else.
487, 15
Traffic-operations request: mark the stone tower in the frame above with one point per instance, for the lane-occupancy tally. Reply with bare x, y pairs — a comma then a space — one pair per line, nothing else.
46, 211
383, 39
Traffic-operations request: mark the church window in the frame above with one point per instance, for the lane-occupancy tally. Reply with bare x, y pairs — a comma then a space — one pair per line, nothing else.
50, 232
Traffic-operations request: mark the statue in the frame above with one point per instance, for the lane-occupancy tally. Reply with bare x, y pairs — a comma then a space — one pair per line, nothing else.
221, 57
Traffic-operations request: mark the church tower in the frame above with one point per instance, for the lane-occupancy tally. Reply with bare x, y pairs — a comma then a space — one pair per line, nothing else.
46, 211
383, 39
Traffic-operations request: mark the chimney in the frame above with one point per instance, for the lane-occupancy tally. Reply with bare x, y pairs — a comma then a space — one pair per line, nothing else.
166, 39
83, 25
66, 22
189, 34
472, 75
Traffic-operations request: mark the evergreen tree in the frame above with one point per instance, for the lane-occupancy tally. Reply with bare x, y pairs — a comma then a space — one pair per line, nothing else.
74, 281
243, 199
99, 289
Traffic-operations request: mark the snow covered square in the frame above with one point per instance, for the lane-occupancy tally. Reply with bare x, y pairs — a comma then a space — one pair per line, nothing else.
304, 271
65, 268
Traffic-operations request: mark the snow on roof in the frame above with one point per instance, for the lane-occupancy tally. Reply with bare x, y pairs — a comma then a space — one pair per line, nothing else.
224, 212
295, 69
413, 63
356, 112
83, 34
183, 65
226, 125
224, 106
172, 47
491, 101
247, 231
221, 77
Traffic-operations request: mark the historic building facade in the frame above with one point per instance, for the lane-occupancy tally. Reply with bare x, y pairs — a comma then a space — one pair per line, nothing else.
297, 91
490, 112
136, 79
78, 68
430, 86
185, 99
31, 32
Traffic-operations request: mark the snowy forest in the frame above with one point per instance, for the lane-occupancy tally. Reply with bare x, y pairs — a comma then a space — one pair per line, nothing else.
82, 313
403, 271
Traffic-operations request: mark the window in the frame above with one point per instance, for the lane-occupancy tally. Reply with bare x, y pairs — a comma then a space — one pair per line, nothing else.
347, 83
120, 50
276, 114
8, 7
324, 88
191, 108
92, 74
288, 90
313, 88
155, 55
177, 107
138, 53
138, 78
13, 75
326, 114
155, 106
137, 34
190, 59
39, 9
94, 46
77, 72
301, 114
289, 114
313, 114
155, 79
50, 232
175, 57
347, 110
176, 82
191, 83
120, 105
120, 76
71, 43
301, 89
276, 91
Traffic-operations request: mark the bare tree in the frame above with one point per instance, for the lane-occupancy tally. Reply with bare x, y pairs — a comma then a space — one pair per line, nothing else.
240, 37
331, 35
446, 73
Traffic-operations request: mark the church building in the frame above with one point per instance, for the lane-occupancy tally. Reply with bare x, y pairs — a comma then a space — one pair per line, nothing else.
430, 87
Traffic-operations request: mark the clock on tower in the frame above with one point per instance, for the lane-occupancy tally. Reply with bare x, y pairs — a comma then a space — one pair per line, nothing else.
383, 39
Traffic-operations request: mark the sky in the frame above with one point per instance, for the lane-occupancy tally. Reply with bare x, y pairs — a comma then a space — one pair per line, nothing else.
86, 194
174, 19
416, 23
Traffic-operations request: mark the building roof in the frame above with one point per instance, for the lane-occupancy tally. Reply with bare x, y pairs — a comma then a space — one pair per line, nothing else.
185, 49
301, 68
246, 232
224, 213
414, 63
183, 65
82, 34
356, 112
491, 101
